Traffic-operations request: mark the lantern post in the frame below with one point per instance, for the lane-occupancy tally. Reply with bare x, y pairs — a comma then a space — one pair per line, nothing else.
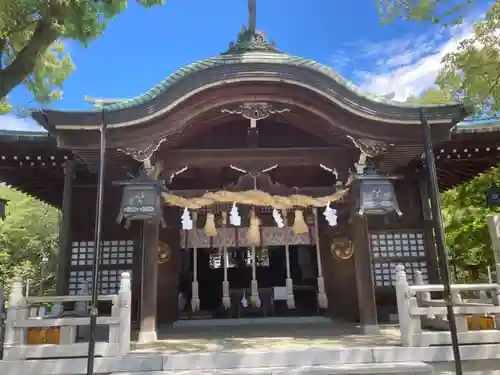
440, 239
97, 248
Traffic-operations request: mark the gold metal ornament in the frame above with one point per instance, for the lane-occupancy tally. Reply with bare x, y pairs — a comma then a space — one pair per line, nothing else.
164, 253
342, 248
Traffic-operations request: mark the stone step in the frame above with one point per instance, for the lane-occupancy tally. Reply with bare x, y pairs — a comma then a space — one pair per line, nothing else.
396, 368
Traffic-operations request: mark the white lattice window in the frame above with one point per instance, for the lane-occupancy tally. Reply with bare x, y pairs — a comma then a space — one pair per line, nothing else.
116, 257
391, 249
112, 252
108, 280
385, 272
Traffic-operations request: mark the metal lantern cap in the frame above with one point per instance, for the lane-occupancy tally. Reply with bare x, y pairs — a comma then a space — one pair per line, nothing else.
141, 198
377, 196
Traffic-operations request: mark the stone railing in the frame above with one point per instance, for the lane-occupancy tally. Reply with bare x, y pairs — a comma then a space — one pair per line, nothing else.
18, 322
417, 310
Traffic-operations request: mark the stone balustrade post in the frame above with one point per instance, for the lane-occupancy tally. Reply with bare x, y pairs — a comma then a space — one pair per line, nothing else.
114, 329
408, 325
14, 336
461, 320
402, 297
495, 300
124, 307
422, 297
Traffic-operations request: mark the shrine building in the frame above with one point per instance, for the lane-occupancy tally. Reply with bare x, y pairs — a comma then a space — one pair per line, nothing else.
289, 191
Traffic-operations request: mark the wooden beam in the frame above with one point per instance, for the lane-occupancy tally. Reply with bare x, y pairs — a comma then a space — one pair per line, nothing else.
300, 156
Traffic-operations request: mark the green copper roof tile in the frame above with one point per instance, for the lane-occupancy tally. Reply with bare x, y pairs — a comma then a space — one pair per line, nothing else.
253, 57
156, 91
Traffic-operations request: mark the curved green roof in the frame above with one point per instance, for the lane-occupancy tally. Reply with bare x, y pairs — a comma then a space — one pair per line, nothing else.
256, 56
253, 58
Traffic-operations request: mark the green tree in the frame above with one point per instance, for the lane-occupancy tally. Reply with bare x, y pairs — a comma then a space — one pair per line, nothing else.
31, 35
464, 213
470, 74
433, 95
28, 234
445, 12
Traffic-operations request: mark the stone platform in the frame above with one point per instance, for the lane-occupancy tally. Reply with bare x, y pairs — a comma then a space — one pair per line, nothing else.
319, 349
265, 334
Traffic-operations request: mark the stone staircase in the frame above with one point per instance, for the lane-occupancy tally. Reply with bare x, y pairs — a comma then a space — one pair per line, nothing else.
293, 345
347, 369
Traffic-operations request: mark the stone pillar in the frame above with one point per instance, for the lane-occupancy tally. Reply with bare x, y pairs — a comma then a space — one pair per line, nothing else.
364, 275
64, 230
149, 282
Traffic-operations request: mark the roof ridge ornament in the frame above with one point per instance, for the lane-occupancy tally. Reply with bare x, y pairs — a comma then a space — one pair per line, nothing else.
255, 111
249, 38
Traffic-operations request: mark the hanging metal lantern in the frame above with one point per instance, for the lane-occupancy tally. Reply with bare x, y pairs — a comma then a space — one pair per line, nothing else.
141, 199
377, 196
3, 205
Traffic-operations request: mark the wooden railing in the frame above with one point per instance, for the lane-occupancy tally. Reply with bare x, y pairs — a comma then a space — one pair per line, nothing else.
18, 322
417, 310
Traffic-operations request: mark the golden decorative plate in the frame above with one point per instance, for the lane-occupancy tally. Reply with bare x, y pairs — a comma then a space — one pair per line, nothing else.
342, 248
163, 253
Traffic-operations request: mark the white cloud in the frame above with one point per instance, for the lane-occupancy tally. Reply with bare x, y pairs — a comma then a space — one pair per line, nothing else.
416, 65
404, 66
9, 122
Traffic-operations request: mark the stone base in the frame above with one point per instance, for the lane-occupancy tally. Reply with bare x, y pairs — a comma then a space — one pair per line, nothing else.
370, 329
146, 337
345, 369
477, 360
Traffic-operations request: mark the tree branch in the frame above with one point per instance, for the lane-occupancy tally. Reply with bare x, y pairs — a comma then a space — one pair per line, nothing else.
25, 62
3, 44
493, 86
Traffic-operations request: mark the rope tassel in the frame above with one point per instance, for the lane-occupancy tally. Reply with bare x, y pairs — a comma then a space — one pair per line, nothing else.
195, 299
290, 298
254, 286
299, 224
253, 234
210, 229
322, 298
226, 299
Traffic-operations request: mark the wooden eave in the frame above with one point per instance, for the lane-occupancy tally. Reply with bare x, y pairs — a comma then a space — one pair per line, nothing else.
471, 150
253, 70
313, 112
32, 163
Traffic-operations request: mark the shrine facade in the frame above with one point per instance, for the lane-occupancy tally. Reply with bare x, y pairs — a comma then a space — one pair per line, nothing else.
263, 155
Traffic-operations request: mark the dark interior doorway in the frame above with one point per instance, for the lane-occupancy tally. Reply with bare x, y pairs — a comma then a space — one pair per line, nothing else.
270, 273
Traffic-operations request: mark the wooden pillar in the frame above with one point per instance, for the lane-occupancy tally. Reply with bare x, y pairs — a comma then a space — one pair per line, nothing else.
64, 230
364, 275
149, 284
430, 245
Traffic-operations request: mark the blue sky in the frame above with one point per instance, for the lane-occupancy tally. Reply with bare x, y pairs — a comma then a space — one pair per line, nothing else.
141, 47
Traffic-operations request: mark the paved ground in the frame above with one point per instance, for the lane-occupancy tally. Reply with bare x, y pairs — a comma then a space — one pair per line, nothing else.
261, 338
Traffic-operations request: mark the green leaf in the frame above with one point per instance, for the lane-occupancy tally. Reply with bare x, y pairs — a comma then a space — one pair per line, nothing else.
40, 28
29, 232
